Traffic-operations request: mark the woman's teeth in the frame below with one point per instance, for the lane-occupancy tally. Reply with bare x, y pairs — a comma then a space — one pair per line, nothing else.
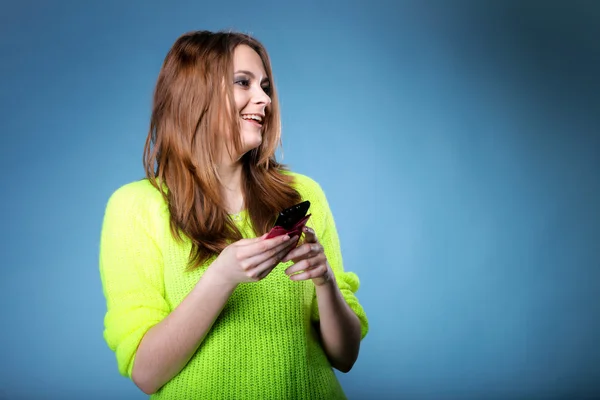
254, 117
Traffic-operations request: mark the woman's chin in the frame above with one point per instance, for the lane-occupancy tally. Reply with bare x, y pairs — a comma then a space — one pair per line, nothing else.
251, 142
249, 145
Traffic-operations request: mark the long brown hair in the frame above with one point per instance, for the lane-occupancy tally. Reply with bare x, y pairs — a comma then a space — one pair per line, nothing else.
193, 112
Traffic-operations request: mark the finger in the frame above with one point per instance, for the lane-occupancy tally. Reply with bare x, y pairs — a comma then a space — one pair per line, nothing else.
274, 254
317, 272
247, 241
262, 275
265, 267
305, 264
309, 235
260, 246
300, 252
293, 245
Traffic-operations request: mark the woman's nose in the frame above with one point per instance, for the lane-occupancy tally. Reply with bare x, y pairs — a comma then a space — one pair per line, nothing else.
261, 97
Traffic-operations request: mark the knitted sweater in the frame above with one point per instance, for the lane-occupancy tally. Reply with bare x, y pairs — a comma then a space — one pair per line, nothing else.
263, 344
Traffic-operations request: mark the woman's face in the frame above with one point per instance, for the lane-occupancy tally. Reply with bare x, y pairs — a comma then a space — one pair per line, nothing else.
251, 88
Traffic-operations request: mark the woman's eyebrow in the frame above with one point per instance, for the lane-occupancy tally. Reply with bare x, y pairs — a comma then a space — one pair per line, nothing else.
242, 71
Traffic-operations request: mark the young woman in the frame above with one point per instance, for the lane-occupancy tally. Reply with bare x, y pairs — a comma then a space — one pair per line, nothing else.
200, 304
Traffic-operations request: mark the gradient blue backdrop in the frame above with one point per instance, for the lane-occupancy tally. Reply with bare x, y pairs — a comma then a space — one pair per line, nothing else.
458, 143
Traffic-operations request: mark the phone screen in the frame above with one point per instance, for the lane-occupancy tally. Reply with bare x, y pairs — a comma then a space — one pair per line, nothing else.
292, 215
291, 220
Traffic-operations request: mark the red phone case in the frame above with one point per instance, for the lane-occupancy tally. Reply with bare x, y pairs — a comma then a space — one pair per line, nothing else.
296, 229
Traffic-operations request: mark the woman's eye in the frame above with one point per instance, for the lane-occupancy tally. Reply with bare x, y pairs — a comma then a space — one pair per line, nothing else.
243, 82
267, 90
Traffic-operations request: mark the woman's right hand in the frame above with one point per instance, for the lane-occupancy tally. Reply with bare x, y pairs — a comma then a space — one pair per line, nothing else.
250, 260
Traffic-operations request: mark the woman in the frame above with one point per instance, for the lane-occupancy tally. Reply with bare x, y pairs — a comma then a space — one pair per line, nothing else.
200, 304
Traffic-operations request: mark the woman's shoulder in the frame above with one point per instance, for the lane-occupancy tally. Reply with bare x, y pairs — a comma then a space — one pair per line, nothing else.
308, 188
303, 183
138, 196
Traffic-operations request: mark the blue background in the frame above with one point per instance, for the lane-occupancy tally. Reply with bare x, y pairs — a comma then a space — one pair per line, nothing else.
458, 143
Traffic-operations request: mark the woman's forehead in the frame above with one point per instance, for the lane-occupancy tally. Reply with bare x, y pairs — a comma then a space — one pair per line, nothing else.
247, 60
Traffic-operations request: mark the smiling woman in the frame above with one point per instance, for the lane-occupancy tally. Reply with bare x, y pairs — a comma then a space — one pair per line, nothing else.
200, 303
251, 94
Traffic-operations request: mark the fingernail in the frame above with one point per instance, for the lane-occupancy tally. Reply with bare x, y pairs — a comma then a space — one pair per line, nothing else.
285, 238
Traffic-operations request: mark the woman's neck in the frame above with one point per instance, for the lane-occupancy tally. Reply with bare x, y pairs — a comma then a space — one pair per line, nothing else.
231, 186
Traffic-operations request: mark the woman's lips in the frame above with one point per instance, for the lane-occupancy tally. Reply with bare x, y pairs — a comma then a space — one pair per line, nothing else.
253, 122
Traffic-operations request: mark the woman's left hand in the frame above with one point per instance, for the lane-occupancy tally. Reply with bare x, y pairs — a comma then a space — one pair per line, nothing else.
309, 260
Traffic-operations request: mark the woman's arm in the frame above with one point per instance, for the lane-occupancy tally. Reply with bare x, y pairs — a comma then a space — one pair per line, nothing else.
339, 327
168, 346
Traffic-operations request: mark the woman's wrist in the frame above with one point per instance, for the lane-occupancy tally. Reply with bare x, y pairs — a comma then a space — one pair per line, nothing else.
213, 277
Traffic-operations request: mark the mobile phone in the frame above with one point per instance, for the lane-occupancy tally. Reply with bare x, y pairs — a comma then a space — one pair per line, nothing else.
291, 220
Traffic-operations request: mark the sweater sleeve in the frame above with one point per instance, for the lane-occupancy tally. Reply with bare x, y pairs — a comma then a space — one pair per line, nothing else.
131, 271
327, 235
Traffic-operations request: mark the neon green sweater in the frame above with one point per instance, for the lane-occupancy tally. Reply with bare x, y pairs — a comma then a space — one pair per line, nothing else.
262, 345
